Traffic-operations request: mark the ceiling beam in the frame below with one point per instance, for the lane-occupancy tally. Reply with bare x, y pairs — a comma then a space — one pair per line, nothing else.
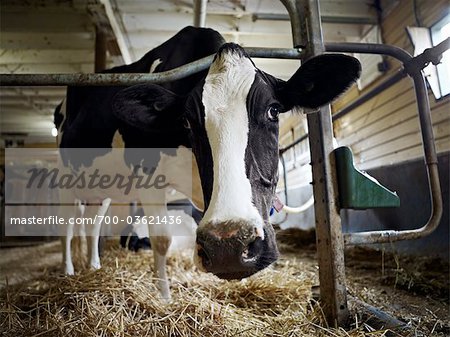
42, 40
17, 112
39, 68
103, 17
46, 56
35, 91
29, 101
367, 20
48, 22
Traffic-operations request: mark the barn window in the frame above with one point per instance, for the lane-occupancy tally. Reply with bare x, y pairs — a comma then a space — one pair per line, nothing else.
422, 38
439, 32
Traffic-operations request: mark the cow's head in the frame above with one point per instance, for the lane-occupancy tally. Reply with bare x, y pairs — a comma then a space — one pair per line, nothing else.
232, 122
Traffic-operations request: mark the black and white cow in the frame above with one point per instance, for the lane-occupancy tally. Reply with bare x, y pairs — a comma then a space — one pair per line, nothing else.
229, 117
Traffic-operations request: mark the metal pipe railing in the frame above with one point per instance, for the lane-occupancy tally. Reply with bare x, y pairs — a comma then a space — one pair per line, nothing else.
369, 48
423, 106
357, 102
132, 79
296, 11
282, 150
429, 55
307, 33
412, 66
199, 13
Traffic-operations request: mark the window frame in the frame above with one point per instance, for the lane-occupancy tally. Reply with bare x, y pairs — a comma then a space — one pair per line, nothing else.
434, 31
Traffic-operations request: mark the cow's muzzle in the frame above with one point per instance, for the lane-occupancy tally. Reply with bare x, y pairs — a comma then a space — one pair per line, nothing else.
232, 249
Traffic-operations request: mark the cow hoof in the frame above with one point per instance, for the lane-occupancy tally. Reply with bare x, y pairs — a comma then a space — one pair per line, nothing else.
123, 241
69, 271
166, 299
164, 291
133, 243
95, 265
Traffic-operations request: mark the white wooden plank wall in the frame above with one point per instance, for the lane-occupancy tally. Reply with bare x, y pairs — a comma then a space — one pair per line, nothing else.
385, 130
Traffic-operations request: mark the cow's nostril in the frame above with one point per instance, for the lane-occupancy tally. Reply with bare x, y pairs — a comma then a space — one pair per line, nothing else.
253, 250
206, 260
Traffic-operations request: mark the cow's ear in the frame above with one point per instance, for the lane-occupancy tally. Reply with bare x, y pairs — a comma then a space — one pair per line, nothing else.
320, 80
146, 106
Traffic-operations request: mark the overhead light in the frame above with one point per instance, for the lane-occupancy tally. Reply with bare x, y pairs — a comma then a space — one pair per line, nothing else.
54, 132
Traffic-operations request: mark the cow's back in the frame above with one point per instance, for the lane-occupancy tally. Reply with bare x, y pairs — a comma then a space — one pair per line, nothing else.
188, 45
88, 121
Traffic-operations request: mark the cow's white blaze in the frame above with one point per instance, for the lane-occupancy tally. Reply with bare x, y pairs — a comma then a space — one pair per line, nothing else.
226, 121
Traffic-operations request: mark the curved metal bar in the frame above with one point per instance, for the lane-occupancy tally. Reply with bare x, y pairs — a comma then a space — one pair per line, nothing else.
104, 79
282, 150
296, 11
132, 79
430, 155
369, 48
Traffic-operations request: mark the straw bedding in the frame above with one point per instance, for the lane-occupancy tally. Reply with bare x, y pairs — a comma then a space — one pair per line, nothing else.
121, 300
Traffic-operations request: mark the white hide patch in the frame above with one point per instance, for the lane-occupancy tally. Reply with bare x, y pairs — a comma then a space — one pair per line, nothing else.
64, 113
155, 63
226, 121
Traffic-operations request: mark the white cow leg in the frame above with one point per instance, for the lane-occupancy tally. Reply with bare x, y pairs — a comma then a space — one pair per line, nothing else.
160, 240
79, 234
160, 246
67, 254
154, 204
94, 262
66, 212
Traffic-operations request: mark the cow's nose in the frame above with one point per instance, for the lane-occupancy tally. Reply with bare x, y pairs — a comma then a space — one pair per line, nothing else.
230, 251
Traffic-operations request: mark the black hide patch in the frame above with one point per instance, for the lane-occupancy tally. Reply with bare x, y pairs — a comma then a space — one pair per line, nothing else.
261, 155
90, 122
320, 80
198, 138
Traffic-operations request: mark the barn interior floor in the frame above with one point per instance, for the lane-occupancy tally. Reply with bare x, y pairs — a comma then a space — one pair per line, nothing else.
121, 299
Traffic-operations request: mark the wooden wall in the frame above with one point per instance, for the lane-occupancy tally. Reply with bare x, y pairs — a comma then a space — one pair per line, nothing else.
385, 130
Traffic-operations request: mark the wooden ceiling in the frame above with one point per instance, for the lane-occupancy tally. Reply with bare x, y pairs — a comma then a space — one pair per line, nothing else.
58, 36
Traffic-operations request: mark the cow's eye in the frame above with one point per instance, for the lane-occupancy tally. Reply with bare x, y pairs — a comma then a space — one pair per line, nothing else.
273, 112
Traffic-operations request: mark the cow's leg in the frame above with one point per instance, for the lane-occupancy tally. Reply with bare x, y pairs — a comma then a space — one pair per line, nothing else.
137, 233
66, 239
154, 205
160, 245
66, 212
140, 229
79, 234
160, 241
94, 257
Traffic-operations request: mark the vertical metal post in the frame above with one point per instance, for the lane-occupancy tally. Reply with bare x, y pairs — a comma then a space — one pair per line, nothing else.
199, 13
330, 243
100, 50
